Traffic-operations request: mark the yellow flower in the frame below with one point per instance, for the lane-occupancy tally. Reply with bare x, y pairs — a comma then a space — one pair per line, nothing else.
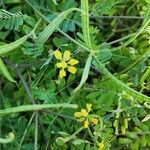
88, 106
77, 114
94, 121
86, 124
84, 116
84, 112
65, 62
101, 146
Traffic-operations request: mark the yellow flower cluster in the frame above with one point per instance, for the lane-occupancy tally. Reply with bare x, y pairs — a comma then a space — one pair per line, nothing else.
66, 62
85, 117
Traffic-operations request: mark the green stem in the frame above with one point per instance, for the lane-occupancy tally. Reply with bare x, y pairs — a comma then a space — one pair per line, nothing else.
73, 135
25, 108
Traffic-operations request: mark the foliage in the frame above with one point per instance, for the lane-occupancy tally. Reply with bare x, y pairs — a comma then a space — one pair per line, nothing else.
74, 74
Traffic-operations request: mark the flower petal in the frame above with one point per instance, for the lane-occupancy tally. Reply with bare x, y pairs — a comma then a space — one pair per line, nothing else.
59, 65
88, 106
86, 124
94, 121
66, 55
58, 54
62, 73
73, 62
101, 146
72, 69
84, 112
77, 114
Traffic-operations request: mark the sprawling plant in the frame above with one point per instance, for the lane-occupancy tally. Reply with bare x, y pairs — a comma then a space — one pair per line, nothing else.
74, 74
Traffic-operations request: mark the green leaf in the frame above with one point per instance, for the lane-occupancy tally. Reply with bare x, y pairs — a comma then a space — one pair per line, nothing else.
104, 55
47, 95
85, 73
68, 4
47, 32
9, 47
85, 22
10, 21
5, 71
32, 48
124, 141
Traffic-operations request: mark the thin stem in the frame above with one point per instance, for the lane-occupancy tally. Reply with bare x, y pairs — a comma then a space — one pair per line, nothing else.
35, 107
73, 135
59, 115
25, 132
90, 133
117, 17
2, 4
30, 97
36, 132
25, 85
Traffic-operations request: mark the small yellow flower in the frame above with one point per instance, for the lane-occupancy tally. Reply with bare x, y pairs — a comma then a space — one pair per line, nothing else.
101, 146
86, 118
88, 106
86, 124
94, 121
84, 112
77, 114
65, 62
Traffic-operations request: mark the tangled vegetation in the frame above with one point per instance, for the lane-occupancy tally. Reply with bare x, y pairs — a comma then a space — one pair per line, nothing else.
74, 74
